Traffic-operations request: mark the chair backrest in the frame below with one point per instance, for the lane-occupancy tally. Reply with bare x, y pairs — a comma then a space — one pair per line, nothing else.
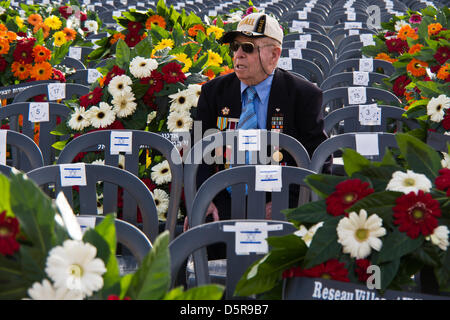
351, 117
379, 66
308, 69
100, 141
347, 79
25, 154
349, 140
5, 170
314, 45
322, 38
46, 139
126, 234
130, 183
85, 77
252, 205
203, 149
194, 241
72, 63
309, 54
71, 89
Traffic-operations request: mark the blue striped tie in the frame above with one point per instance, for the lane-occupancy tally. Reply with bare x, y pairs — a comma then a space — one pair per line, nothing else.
248, 118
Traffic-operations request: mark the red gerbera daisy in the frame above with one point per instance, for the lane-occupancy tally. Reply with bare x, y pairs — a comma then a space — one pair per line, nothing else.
134, 27
332, 269
446, 121
361, 269
442, 182
9, 228
58, 75
24, 51
132, 39
442, 55
397, 45
149, 101
3, 64
92, 98
116, 71
416, 213
399, 85
155, 81
346, 194
172, 73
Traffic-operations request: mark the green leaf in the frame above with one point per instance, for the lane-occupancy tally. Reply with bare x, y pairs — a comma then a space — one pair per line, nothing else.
388, 272
59, 145
122, 54
380, 203
206, 292
144, 48
442, 273
397, 244
420, 157
324, 245
311, 212
353, 161
5, 196
324, 184
152, 280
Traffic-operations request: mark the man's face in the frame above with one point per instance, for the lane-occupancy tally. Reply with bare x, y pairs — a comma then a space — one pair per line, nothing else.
249, 66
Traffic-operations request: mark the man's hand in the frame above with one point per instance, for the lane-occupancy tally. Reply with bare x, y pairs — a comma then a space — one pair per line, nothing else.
212, 209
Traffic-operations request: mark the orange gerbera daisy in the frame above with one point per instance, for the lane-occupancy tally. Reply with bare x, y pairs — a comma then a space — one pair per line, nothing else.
157, 20
194, 30
41, 53
4, 46
210, 74
226, 70
34, 19
8, 35
116, 37
44, 27
41, 71
3, 28
434, 28
417, 67
20, 70
407, 32
385, 57
415, 48
444, 72
408, 96
70, 34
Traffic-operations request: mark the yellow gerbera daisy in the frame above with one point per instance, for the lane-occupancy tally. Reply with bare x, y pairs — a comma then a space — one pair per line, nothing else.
214, 59
19, 22
53, 22
182, 57
216, 30
164, 43
60, 38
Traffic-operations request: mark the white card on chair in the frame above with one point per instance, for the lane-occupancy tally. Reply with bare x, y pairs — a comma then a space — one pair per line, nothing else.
302, 15
300, 24
367, 144
268, 178
56, 91
93, 75
285, 63
3, 147
305, 37
248, 140
38, 112
121, 141
360, 78
352, 32
86, 223
75, 52
300, 44
251, 236
367, 39
369, 115
352, 25
366, 65
357, 95
295, 54
73, 174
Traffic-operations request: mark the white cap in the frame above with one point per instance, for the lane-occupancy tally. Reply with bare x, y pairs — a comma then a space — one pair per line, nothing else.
256, 25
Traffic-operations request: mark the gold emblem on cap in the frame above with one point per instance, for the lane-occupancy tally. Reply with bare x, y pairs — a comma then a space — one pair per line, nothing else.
277, 156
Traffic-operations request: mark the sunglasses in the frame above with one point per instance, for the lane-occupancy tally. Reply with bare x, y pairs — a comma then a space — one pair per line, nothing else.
247, 47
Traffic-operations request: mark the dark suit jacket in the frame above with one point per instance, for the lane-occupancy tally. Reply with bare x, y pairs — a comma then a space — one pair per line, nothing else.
298, 101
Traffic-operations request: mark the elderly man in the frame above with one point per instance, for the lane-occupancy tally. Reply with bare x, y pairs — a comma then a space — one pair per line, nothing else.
279, 100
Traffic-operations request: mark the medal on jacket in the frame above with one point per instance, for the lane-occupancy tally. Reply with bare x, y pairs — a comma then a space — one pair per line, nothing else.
222, 123
277, 121
232, 123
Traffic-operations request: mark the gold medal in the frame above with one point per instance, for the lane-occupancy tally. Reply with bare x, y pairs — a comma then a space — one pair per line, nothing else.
277, 156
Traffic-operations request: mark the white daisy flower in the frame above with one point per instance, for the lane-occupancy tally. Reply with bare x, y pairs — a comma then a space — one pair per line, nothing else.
141, 67
119, 84
399, 24
440, 237
78, 120
151, 116
436, 107
73, 22
101, 116
46, 291
308, 234
359, 234
99, 204
409, 181
162, 203
124, 104
181, 101
446, 161
74, 266
179, 122
98, 162
161, 173
195, 90
91, 25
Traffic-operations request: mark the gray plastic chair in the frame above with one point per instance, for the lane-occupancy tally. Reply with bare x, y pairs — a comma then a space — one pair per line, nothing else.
72, 63
314, 56
5, 170
197, 238
25, 154
315, 45
204, 148
308, 69
46, 139
80, 77
130, 237
345, 79
100, 141
72, 89
350, 54
46, 175
322, 38
353, 65
313, 27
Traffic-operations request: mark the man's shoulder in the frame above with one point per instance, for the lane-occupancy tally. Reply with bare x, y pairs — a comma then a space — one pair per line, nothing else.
220, 81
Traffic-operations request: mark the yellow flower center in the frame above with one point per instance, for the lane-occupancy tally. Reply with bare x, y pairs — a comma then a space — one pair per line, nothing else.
417, 214
362, 234
408, 182
76, 270
349, 197
4, 232
325, 276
